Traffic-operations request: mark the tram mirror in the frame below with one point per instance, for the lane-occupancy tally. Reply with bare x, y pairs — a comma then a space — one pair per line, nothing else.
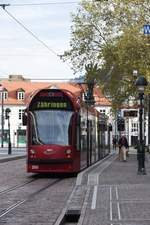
24, 119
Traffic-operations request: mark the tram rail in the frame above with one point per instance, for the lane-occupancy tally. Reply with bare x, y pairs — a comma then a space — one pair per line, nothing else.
6, 210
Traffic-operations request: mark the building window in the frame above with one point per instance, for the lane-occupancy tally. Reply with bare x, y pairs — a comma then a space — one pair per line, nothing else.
5, 95
102, 111
21, 95
21, 112
134, 127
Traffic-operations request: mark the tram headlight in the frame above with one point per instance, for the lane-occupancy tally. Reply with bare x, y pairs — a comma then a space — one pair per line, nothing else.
32, 151
68, 151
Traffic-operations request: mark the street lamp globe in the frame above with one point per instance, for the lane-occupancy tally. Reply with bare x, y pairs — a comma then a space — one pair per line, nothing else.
135, 73
141, 82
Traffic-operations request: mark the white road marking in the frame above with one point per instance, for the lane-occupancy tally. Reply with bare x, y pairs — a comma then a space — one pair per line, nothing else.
93, 179
94, 198
110, 194
118, 206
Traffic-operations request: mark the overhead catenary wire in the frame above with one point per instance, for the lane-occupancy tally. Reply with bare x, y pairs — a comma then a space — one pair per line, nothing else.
14, 54
30, 32
45, 3
3, 6
59, 80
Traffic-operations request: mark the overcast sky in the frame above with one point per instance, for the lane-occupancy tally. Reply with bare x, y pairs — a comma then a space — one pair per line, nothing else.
21, 53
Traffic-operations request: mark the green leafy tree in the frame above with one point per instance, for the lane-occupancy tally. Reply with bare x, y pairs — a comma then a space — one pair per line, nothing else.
110, 35
128, 53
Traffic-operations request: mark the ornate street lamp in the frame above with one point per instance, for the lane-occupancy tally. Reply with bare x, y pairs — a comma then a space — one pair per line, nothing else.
141, 82
109, 130
89, 98
2, 115
9, 140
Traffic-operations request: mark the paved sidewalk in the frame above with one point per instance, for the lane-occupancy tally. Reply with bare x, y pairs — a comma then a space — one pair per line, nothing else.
16, 153
113, 194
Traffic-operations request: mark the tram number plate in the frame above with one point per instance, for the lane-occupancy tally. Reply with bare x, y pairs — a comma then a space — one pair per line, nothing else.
35, 167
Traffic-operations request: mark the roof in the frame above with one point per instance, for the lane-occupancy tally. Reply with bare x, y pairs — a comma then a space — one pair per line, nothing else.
100, 99
13, 86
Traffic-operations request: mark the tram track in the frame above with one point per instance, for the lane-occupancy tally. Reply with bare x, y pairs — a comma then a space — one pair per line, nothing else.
16, 186
7, 190
16, 203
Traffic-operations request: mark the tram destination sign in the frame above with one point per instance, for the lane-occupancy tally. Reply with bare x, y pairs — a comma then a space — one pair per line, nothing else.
51, 105
51, 99
48, 104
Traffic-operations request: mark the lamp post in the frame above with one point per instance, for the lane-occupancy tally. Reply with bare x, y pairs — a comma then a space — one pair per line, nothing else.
109, 130
2, 115
9, 140
149, 122
141, 82
89, 100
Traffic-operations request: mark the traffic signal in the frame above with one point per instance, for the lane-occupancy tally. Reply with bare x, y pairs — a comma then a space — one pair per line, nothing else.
120, 124
102, 123
102, 126
109, 127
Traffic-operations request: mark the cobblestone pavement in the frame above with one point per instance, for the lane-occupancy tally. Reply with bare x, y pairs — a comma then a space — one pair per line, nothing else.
35, 207
109, 193
113, 194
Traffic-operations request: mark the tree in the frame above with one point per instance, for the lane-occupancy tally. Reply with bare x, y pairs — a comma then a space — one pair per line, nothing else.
91, 71
128, 53
110, 35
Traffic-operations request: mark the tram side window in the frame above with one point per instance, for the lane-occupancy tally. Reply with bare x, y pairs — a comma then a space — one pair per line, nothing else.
78, 131
83, 135
33, 138
94, 134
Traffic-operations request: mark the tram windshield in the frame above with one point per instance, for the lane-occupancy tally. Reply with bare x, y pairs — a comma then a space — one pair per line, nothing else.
51, 126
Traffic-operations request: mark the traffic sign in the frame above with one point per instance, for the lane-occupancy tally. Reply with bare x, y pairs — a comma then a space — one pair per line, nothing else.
147, 29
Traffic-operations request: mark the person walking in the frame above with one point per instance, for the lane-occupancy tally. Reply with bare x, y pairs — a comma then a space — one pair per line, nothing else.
114, 142
123, 148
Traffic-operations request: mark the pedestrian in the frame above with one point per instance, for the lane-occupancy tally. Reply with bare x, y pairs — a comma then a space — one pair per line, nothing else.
123, 148
114, 142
